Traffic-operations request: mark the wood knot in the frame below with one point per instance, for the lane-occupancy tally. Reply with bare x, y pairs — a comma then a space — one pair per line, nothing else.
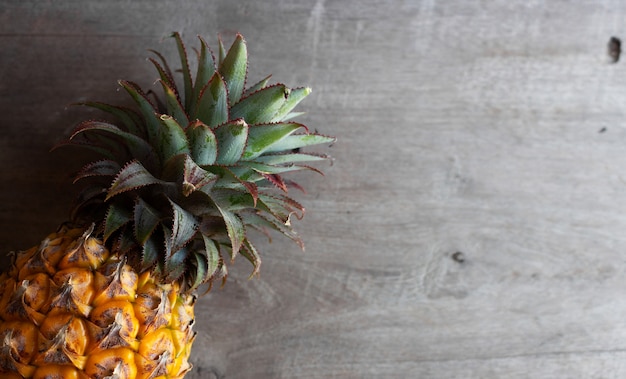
458, 257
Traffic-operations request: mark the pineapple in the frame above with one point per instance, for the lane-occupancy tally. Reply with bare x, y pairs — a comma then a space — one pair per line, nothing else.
180, 180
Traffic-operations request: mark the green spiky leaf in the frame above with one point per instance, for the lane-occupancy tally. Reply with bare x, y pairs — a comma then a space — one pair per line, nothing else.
117, 216
190, 176
202, 143
137, 146
200, 261
150, 253
184, 226
229, 179
174, 107
165, 67
104, 151
221, 51
125, 243
289, 159
188, 88
233, 200
252, 255
213, 255
276, 180
262, 137
231, 141
128, 117
282, 207
292, 115
261, 106
148, 110
297, 141
166, 78
257, 86
146, 220
262, 222
235, 228
104, 167
234, 69
206, 69
270, 169
134, 175
213, 102
175, 264
195, 177
296, 95
172, 138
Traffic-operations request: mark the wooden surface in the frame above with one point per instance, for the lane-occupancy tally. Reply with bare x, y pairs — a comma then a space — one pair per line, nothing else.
491, 129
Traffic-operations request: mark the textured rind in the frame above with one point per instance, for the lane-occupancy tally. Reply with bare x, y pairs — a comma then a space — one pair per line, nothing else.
71, 309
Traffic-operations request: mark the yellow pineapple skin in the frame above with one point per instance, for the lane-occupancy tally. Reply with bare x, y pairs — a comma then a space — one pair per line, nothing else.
70, 308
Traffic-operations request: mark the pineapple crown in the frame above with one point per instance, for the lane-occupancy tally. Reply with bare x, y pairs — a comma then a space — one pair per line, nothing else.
184, 176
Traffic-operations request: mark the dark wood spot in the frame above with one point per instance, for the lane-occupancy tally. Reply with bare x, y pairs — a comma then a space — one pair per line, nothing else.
458, 257
614, 49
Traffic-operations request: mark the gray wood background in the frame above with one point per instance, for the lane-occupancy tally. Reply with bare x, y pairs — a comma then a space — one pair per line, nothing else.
493, 129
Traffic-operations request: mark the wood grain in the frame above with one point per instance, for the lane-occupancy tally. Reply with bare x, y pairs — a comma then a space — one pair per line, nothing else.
494, 129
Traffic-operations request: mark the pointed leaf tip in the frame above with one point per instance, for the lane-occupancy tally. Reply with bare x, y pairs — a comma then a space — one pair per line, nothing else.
206, 69
105, 167
212, 108
234, 69
294, 97
252, 255
147, 109
235, 229
134, 175
92, 129
187, 84
174, 106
